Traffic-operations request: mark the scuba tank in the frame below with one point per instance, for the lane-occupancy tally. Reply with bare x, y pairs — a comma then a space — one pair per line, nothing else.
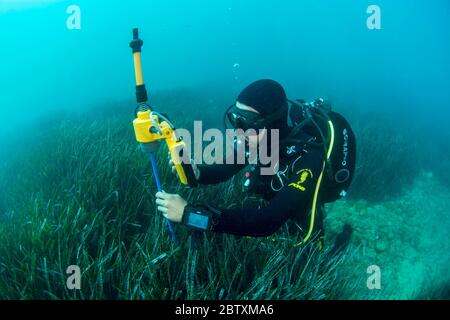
342, 161
337, 139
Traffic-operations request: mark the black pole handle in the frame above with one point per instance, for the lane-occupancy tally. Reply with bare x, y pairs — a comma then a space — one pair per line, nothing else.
137, 43
135, 34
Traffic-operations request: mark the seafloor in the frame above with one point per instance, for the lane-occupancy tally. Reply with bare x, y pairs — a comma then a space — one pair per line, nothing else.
406, 237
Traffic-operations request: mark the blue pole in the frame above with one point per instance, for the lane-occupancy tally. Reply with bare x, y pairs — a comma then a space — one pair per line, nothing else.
158, 186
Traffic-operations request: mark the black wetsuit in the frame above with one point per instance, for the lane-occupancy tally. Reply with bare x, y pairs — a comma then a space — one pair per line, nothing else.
291, 199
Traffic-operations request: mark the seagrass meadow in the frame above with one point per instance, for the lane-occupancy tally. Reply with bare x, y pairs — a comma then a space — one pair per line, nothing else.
77, 193
83, 194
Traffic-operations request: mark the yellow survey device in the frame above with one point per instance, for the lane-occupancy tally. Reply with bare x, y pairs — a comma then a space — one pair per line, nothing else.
149, 131
150, 127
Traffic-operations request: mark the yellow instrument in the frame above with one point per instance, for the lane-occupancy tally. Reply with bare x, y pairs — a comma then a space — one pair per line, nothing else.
151, 127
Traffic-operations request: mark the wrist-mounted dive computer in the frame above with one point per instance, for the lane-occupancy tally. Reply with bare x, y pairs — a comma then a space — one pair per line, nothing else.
201, 218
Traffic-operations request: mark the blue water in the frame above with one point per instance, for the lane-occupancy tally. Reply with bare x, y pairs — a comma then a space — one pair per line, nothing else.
314, 48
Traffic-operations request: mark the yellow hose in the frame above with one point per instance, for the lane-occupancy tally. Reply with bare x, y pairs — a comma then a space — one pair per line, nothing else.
316, 191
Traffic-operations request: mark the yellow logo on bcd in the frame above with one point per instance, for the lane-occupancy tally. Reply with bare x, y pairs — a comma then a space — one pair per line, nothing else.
303, 175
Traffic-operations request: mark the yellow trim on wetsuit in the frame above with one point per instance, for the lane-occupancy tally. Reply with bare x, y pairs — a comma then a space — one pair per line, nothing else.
316, 192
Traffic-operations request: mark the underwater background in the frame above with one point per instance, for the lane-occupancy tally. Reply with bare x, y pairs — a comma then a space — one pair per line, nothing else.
76, 190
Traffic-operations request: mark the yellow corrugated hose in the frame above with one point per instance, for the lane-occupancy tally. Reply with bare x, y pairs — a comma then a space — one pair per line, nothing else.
316, 191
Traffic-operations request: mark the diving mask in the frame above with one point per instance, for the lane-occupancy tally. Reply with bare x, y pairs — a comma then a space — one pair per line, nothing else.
245, 119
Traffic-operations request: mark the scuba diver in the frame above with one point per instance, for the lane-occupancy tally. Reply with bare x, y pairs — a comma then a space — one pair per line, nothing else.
317, 154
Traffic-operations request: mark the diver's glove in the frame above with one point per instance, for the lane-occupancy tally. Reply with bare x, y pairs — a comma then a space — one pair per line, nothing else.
201, 218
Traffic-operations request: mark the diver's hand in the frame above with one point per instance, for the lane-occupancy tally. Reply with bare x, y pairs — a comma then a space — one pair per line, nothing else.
194, 168
171, 206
